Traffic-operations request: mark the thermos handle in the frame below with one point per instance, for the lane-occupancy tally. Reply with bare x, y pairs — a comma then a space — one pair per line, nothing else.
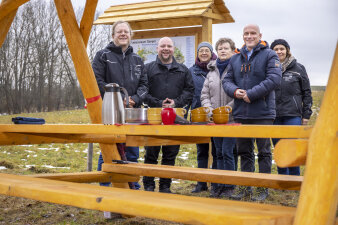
126, 95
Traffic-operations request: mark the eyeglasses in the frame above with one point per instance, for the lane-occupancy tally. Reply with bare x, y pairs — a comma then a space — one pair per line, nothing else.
204, 51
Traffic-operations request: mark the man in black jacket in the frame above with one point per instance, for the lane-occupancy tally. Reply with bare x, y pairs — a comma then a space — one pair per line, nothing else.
170, 85
118, 64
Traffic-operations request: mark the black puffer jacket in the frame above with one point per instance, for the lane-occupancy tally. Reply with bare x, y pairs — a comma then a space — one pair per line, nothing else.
293, 97
111, 65
175, 83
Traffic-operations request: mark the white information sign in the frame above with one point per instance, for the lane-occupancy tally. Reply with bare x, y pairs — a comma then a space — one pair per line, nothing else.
184, 49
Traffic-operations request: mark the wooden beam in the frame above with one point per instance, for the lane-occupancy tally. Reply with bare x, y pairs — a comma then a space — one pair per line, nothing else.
290, 152
156, 10
8, 6
29, 138
207, 175
320, 187
5, 22
212, 15
207, 29
84, 70
89, 177
87, 19
235, 130
178, 208
133, 140
167, 33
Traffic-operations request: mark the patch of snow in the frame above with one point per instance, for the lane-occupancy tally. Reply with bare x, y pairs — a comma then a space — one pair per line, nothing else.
77, 151
29, 151
35, 156
29, 166
26, 145
141, 159
183, 157
24, 159
3, 168
55, 167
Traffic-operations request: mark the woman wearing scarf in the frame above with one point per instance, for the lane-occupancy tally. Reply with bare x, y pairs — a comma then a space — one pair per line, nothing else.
199, 72
213, 96
293, 96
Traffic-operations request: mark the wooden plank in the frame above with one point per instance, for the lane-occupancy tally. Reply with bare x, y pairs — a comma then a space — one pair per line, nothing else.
167, 33
208, 175
153, 4
133, 140
255, 131
291, 152
89, 177
157, 16
156, 10
29, 138
320, 187
8, 6
178, 208
5, 22
213, 15
207, 29
87, 19
84, 71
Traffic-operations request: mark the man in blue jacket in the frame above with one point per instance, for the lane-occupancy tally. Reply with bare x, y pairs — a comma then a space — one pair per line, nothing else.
252, 78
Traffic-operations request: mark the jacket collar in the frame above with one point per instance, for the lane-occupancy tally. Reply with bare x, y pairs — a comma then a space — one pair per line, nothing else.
173, 65
261, 45
117, 49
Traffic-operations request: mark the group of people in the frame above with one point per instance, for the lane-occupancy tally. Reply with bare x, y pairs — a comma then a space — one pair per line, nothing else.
263, 85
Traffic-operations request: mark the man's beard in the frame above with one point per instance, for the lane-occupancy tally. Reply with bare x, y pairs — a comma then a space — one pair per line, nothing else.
165, 60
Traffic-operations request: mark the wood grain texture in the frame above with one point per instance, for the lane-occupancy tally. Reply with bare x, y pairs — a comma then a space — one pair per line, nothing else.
8, 6
207, 29
155, 141
319, 194
183, 209
89, 177
87, 19
207, 175
6, 19
291, 152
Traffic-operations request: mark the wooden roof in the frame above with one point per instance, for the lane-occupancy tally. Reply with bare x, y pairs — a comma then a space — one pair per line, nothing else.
167, 13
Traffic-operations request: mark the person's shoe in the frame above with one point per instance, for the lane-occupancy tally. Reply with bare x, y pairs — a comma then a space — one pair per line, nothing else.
199, 188
165, 190
227, 193
215, 192
149, 188
243, 193
262, 194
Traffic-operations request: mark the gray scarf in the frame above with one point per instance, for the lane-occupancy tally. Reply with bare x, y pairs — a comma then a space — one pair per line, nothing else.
287, 62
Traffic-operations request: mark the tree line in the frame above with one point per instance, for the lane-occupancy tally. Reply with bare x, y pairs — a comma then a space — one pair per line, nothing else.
36, 69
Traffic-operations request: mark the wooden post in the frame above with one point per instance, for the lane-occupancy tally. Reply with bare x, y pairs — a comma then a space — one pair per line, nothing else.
319, 193
84, 71
87, 19
8, 6
207, 29
5, 22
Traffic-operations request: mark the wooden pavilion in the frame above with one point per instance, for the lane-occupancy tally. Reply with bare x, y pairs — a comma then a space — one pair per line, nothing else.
314, 146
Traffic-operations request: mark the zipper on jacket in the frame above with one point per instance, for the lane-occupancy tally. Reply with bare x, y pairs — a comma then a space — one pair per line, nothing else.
293, 97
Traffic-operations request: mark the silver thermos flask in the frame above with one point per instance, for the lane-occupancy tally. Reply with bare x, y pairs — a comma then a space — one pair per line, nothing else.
112, 107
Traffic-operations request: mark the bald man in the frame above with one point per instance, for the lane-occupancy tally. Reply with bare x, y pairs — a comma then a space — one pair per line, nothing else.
251, 80
170, 85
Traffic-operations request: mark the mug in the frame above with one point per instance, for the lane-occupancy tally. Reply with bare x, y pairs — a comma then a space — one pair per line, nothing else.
220, 118
180, 111
223, 109
201, 110
198, 117
154, 115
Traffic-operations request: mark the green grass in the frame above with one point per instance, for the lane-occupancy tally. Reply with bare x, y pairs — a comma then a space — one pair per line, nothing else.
65, 158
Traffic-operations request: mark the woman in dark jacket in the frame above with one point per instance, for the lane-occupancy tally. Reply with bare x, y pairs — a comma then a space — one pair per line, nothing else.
199, 72
293, 97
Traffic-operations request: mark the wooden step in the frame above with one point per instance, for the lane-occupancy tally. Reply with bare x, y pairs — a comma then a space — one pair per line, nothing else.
208, 175
184, 209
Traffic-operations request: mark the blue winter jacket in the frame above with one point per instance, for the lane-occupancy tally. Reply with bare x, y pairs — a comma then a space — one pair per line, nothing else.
259, 76
198, 76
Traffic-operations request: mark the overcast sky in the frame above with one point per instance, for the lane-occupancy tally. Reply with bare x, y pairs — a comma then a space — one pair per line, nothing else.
309, 26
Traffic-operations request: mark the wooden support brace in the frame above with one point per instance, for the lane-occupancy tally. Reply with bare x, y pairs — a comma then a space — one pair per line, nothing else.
183, 209
89, 177
158, 140
208, 175
6, 18
290, 152
87, 19
8, 6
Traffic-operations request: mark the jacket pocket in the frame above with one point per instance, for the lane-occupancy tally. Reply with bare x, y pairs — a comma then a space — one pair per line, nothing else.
298, 103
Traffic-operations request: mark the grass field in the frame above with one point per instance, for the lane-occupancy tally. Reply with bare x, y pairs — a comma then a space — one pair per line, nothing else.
50, 158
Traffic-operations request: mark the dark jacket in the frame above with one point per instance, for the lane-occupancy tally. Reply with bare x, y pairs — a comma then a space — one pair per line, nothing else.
293, 97
111, 65
259, 76
198, 77
175, 83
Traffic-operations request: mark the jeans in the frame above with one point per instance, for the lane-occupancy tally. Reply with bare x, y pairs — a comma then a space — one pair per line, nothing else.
225, 156
169, 153
246, 149
287, 120
132, 154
